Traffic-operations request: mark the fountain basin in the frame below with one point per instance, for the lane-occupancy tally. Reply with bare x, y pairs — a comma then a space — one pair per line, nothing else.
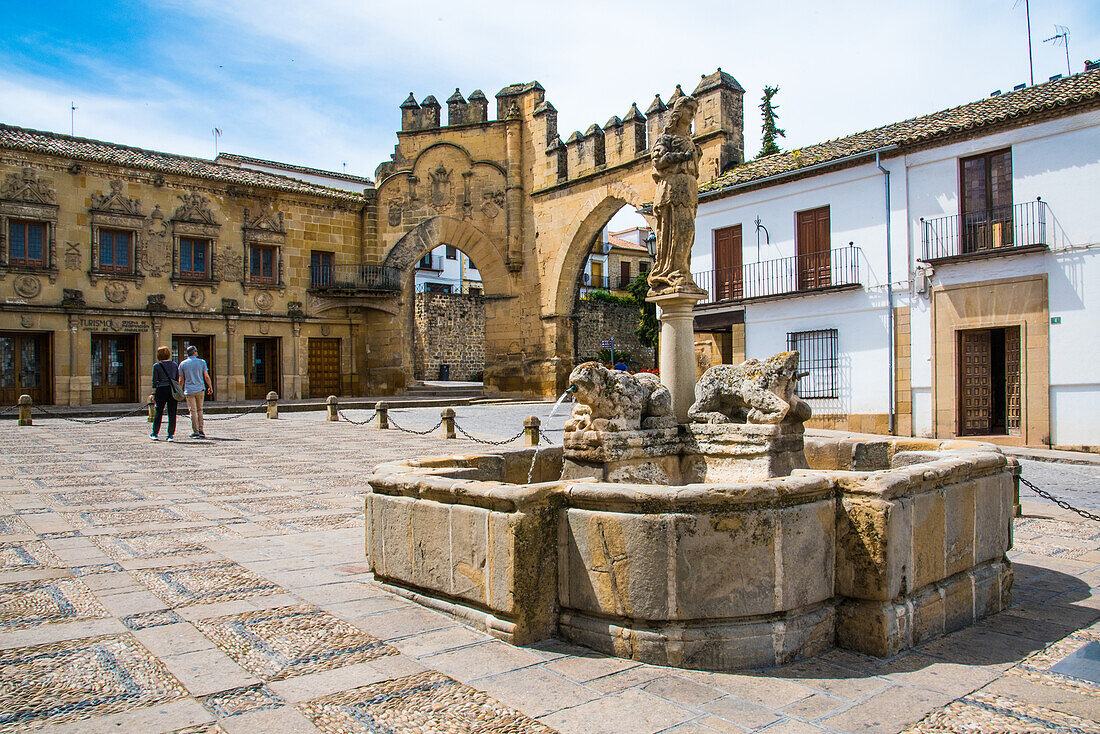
878, 546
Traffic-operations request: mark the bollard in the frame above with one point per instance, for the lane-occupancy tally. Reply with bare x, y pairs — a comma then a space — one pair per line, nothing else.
152, 408
333, 408
448, 416
531, 430
383, 412
25, 410
273, 405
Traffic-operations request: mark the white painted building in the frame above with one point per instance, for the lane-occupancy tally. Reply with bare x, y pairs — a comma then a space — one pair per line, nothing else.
447, 269
989, 253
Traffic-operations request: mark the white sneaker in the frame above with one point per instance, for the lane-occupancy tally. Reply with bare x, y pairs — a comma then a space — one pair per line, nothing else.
154, 436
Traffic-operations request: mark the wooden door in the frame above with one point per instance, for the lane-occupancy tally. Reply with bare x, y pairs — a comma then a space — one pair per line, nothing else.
25, 368
975, 383
205, 345
261, 367
727, 263
986, 218
812, 242
324, 367
1012, 380
114, 368
624, 274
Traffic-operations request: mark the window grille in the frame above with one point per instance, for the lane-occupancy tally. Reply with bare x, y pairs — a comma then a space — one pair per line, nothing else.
818, 354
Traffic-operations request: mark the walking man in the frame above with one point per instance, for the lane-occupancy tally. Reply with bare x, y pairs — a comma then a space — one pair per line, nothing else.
195, 378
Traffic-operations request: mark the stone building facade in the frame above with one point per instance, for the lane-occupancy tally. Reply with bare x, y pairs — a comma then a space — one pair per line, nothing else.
598, 321
450, 330
107, 252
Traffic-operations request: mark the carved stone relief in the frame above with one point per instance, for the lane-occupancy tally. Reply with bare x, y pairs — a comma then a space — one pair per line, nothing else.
28, 186
156, 255
325, 329
491, 203
230, 266
28, 286
265, 328
26, 321
194, 208
116, 202
442, 194
195, 325
194, 297
263, 301
116, 291
72, 256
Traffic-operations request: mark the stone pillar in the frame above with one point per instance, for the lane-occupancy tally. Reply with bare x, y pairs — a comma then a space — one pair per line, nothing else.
383, 412
531, 431
333, 408
25, 410
448, 416
678, 348
273, 405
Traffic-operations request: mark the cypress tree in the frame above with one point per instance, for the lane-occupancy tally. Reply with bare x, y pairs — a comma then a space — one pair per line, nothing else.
771, 131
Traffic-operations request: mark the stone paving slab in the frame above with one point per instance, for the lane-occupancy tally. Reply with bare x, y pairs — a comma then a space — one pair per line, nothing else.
221, 586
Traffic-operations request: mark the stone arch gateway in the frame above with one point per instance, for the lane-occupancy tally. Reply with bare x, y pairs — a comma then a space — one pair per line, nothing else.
513, 195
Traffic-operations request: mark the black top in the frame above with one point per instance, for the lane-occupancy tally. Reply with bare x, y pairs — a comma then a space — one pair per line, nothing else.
165, 373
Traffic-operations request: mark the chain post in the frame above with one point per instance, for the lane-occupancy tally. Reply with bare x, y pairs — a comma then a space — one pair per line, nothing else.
25, 403
383, 412
333, 408
152, 408
531, 430
273, 405
448, 416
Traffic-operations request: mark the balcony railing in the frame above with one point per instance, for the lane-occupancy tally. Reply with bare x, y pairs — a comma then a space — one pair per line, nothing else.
786, 275
354, 278
998, 229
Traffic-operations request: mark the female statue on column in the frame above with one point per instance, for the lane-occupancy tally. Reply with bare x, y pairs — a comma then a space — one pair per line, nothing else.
676, 171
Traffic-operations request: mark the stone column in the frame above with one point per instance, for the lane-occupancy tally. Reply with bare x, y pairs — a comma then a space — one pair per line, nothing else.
678, 348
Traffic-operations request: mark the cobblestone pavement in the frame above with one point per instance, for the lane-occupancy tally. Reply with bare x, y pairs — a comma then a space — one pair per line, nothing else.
221, 586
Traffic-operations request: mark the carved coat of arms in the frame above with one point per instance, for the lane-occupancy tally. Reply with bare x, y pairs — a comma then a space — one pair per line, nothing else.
442, 190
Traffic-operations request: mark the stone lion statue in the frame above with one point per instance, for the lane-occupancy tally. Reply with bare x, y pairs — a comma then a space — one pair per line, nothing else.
751, 392
612, 400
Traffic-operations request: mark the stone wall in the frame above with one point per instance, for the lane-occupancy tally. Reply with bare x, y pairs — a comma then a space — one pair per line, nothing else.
450, 329
594, 321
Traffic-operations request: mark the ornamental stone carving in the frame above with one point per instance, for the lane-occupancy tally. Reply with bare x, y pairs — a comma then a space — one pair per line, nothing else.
27, 186
441, 194
676, 171
28, 286
751, 392
194, 208
194, 297
263, 301
116, 291
72, 256
115, 202
26, 321
156, 255
230, 265
612, 400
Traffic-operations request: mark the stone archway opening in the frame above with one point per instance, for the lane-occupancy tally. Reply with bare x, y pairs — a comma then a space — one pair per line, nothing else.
448, 303
604, 313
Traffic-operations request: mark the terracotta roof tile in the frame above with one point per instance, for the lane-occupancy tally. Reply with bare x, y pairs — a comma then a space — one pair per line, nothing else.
1070, 91
98, 151
625, 244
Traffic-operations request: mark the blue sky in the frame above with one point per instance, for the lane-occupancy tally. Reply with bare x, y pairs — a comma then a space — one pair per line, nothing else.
319, 83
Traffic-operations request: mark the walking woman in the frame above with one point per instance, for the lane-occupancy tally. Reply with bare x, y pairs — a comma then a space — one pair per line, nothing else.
165, 373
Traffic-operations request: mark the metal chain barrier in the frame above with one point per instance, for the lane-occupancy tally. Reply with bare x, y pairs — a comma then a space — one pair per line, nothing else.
1061, 503
486, 441
356, 423
409, 430
253, 409
143, 408
9, 409
544, 439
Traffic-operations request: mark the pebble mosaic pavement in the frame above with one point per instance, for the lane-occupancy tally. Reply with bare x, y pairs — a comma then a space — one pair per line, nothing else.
220, 586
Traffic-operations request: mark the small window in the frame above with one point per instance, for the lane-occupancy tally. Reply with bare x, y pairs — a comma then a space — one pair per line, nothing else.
261, 264
643, 266
425, 262
438, 288
193, 257
320, 268
114, 251
470, 264
27, 248
818, 354
452, 252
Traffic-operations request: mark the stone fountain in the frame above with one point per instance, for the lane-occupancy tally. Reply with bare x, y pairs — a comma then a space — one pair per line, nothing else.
695, 524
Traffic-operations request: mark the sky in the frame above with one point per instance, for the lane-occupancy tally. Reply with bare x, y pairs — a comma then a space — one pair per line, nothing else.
318, 83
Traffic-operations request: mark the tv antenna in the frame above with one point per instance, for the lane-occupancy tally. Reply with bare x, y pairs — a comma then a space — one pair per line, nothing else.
1030, 61
72, 118
1061, 38
216, 132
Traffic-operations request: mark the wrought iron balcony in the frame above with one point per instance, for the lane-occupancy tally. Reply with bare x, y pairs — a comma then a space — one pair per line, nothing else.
997, 230
354, 278
808, 272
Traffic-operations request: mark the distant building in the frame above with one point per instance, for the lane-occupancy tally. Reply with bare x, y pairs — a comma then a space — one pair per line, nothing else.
616, 258
331, 179
938, 275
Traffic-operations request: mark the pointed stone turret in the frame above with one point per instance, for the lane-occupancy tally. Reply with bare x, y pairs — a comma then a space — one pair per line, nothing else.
594, 144
479, 107
545, 122
557, 159
410, 113
456, 109
429, 113
721, 109
634, 133
656, 107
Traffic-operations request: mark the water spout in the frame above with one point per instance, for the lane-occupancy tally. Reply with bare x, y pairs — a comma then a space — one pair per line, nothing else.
535, 456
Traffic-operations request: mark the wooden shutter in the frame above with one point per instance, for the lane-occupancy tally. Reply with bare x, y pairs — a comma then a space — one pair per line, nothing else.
975, 383
812, 242
727, 263
1012, 380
